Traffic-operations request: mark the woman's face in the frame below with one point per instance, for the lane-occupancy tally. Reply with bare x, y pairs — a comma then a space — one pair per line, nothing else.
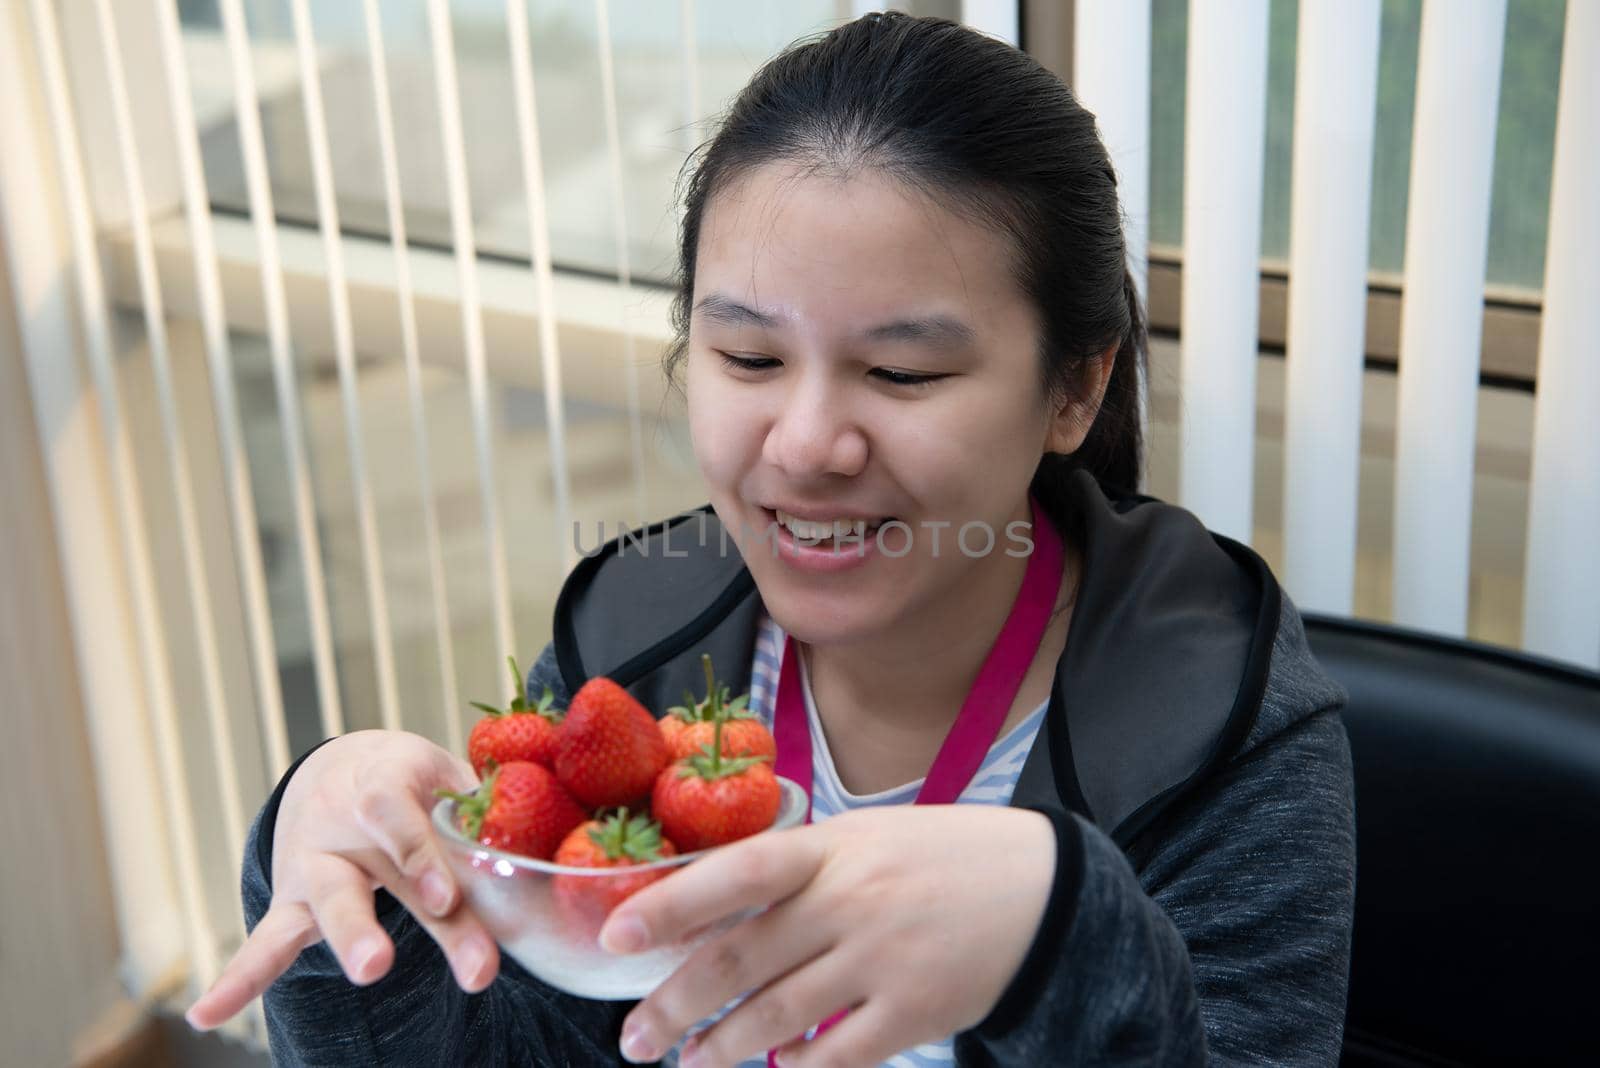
857, 352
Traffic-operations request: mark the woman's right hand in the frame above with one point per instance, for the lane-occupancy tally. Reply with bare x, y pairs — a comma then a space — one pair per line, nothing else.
353, 818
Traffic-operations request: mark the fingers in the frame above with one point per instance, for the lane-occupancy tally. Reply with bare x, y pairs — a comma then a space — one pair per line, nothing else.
749, 874
467, 946
341, 901
868, 1035
752, 955
407, 862
340, 897
339, 910
330, 896
400, 827
781, 1013
275, 943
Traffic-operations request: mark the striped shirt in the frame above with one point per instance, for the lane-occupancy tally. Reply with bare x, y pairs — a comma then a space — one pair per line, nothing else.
991, 785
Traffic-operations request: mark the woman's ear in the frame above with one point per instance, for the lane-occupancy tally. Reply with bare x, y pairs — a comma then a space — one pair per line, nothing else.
1070, 424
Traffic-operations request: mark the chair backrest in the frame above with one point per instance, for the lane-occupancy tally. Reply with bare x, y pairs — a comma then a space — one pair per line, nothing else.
1477, 929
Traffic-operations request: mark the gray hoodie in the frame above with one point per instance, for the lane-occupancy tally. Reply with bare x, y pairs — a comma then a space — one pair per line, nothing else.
1192, 762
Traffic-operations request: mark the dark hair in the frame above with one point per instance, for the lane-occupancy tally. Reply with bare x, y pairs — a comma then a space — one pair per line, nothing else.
990, 133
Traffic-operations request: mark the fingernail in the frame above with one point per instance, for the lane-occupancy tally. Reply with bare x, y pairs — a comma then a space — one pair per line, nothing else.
637, 1044
625, 935
436, 892
362, 956
473, 956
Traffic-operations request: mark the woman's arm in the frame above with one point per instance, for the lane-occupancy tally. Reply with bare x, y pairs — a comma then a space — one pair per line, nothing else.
1230, 946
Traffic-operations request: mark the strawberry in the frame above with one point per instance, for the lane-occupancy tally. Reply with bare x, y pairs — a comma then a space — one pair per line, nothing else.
610, 750
519, 808
520, 731
709, 800
616, 841
688, 728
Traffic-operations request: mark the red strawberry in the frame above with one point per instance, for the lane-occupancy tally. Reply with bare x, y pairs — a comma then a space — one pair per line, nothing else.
519, 808
520, 731
688, 728
710, 800
616, 841
610, 750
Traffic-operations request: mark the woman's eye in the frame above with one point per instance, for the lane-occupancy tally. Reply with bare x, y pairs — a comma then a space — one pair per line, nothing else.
756, 364
905, 378
748, 363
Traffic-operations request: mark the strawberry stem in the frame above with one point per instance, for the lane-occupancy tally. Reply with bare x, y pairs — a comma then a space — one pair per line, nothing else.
709, 764
715, 706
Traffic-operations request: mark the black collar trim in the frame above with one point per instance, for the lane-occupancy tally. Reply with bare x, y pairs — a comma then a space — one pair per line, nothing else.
574, 673
1246, 702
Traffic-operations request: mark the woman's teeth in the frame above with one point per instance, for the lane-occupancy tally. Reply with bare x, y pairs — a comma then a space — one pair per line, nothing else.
809, 530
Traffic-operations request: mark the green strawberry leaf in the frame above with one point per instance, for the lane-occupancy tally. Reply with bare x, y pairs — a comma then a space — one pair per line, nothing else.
637, 839
472, 807
547, 707
519, 687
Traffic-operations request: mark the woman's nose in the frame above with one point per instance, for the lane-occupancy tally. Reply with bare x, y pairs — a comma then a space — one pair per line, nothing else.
813, 436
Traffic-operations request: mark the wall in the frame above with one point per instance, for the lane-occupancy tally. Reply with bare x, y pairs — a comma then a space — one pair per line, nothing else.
58, 938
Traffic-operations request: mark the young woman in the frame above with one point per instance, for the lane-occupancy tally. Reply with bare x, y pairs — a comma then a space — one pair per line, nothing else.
1080, 793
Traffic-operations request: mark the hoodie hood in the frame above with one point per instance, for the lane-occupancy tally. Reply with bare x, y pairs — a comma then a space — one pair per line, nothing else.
1182, 652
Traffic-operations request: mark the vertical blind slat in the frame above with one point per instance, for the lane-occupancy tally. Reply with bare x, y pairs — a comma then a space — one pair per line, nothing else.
619, 226
998, 18
394, 206
1224, 134
1447, 240
543, 274
689, 37
224, 753
1562, 593
1336, 86
224, 397
127, 496
247, 109
1111, 77
447, 90
344, 354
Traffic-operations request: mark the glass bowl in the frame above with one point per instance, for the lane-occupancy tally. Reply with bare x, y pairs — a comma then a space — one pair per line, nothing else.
547, 917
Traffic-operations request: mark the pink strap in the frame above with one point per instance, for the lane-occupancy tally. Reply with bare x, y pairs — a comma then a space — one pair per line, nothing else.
791, 732
983, 712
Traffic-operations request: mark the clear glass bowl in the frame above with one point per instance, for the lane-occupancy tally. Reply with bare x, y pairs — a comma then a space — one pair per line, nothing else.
547, 917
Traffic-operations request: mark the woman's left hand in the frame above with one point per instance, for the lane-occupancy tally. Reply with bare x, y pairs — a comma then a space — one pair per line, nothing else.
915, 918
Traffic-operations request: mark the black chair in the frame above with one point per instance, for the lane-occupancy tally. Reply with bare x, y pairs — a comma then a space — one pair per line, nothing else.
1477, 929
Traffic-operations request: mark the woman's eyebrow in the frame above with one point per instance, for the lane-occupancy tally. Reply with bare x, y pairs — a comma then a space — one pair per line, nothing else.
939, 330
729, 312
